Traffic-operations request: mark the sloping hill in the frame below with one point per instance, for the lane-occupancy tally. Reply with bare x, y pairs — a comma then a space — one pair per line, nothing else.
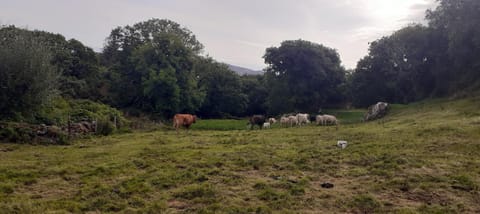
421, 158
243, 71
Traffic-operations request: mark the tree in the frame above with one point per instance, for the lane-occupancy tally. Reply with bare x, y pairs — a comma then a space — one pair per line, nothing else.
151, 68
255, 88
28, 80
80, 71
457, 23
302, 76
397, 69
124, 40
166, 76
224, 96
77, 64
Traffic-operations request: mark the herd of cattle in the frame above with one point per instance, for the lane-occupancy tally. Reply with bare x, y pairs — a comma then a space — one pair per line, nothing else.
288, 120
291, 120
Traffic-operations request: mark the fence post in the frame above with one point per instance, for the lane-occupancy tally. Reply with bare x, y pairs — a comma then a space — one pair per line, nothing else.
69, 126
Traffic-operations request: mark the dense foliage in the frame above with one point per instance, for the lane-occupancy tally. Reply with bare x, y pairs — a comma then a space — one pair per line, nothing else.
27, 79
156, 68
151, 65
224, 96
302, 76
417, 61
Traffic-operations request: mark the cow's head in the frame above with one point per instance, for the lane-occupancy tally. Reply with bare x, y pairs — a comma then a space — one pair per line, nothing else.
194, 118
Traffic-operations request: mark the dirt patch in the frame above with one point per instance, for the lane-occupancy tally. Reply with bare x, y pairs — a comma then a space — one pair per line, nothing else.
177, 204
50, 188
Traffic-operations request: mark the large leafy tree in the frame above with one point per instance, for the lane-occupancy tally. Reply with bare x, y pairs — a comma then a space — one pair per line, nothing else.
224, 96
255, 88
302, 76
422, 61
28, 80
77, 64
151, 67
167, 81
81, 71
398, 68
457, 23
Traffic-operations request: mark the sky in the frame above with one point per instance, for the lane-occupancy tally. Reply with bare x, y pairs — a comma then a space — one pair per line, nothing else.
232, 31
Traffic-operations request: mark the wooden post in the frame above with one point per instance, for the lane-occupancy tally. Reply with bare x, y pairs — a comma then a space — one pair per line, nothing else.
68, 126
115, 121
96, 125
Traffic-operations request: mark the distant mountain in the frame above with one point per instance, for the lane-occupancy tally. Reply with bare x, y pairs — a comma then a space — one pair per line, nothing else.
242, 71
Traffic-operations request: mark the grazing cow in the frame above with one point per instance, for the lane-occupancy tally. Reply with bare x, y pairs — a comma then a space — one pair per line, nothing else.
256, 120
292, 121
320, 120
303, 119
272, 120
266, 125
330, 119
284, 121
184, 120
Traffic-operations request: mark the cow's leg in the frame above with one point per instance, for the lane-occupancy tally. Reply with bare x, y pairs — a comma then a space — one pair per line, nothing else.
175, 125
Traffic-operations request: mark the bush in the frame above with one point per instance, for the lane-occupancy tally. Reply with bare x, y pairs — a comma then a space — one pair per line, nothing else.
28, 79
365, 204
61, 110
105, 127
18, 133
196, 191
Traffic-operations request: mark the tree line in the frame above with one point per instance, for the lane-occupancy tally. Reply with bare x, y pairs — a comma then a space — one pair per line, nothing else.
156, 68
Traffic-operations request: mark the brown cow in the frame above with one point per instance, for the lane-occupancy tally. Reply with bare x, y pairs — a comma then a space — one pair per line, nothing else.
184, 120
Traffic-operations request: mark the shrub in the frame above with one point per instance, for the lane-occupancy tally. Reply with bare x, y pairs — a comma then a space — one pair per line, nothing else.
105, 127
196, 191
365, 204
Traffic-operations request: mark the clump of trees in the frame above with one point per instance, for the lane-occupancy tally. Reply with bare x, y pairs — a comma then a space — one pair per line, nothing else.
28, 81
151, 68
156, 68
417, 62
303, 76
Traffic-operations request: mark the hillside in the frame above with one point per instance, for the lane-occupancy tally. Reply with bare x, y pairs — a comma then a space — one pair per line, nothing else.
243, 71
422, 158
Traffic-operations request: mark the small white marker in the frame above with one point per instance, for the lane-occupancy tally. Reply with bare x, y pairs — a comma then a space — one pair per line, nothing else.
342, 144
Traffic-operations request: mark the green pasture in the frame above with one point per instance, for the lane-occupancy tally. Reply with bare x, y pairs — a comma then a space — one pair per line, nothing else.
421, 158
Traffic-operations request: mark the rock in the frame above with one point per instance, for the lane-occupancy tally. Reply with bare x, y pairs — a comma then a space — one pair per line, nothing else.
376, 111
327, 185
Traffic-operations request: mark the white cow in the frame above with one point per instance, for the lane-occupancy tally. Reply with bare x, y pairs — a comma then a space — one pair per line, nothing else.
326, 120
284, 121
292, 121
330, 119
272, 120
320, 120
303, 119
266, 125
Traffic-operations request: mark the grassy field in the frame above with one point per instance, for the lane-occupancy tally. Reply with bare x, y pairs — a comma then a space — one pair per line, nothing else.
422, 158
222, 125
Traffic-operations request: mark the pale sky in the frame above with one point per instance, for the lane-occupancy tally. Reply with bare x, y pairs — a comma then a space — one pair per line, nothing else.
233, 31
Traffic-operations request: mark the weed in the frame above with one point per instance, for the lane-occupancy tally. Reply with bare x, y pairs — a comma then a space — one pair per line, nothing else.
203, 191
365, 203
